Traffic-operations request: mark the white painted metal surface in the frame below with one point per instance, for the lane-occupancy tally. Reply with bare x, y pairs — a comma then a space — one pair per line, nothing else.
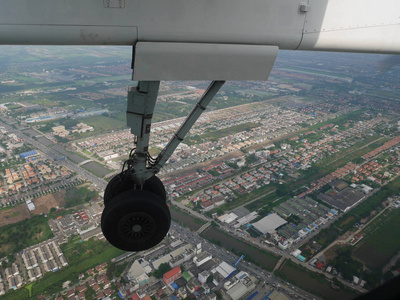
329, 25
356, 25
195, 61
262, 22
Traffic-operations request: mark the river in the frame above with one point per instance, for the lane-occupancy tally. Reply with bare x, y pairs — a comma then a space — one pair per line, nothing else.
253, 254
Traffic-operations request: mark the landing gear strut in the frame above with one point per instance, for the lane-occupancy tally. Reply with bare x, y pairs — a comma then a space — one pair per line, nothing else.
136, 216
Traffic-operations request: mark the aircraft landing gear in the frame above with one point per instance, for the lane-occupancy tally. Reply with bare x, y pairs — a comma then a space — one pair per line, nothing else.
136, 216
135, 220
122, 183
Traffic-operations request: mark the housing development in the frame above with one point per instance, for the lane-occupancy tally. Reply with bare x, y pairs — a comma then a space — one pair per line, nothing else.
283, 189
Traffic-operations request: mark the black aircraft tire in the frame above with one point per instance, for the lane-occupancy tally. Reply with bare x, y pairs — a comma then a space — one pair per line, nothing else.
135, 220
122, 183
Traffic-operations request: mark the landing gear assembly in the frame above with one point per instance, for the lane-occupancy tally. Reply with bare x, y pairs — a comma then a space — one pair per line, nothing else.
136, 216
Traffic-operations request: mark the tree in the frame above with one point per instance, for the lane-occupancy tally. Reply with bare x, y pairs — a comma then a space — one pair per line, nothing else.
251, 159
162, 269
110, 271
346, 265
283, 190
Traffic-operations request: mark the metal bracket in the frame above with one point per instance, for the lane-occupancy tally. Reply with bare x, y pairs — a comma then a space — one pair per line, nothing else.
140, 108
304, 7
197, 110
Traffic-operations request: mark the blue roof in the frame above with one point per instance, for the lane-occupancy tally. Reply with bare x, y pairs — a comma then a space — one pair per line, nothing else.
28, 154
174, 285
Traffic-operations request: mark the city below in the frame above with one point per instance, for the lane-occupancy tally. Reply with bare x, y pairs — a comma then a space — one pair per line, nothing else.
285, 189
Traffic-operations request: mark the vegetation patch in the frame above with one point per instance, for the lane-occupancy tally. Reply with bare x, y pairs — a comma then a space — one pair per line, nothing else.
29, 288
103, 124
326, 236
15, 237
382, 243
346, 265
79, 195
16, 295
312, 282
96, 168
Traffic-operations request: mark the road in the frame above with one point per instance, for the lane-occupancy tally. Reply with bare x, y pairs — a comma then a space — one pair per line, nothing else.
250, 240
53, 154
287, 255
101, 184
269, 279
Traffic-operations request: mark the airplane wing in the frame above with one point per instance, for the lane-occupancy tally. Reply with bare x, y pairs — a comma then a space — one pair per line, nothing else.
205, 39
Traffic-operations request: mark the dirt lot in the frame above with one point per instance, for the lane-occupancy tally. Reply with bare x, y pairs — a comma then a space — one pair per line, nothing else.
14, 215
45, 203
349, 219
330, 253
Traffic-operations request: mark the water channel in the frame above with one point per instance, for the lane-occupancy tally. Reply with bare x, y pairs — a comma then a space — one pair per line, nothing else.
262, 258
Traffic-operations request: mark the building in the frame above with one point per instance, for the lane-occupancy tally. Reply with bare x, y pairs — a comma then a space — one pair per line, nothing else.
182, 292
224, 269
30, 205
277, 296
186, 276
241, 288
60, 131
167, 258
172, 275
137, 273
269, 224
29, 154
202, 258
202, 277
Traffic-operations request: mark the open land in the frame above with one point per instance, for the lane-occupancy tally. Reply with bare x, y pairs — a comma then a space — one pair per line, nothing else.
45, 203
381, 243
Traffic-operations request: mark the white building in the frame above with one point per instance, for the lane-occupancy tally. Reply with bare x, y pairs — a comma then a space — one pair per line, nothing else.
202, 258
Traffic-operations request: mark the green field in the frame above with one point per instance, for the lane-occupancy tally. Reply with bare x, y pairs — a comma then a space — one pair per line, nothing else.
102, 124
96, 168
381, 241
15, 237
79, 195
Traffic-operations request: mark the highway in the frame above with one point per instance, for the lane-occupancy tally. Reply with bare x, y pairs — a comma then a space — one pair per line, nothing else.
53, 154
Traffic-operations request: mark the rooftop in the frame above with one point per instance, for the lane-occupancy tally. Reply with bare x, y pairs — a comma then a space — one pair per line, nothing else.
269, 223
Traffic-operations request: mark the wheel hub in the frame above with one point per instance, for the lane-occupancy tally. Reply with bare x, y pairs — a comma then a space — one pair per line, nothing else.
137, 227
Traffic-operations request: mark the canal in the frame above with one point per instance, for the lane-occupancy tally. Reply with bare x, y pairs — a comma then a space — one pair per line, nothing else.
252, 254
302, 278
